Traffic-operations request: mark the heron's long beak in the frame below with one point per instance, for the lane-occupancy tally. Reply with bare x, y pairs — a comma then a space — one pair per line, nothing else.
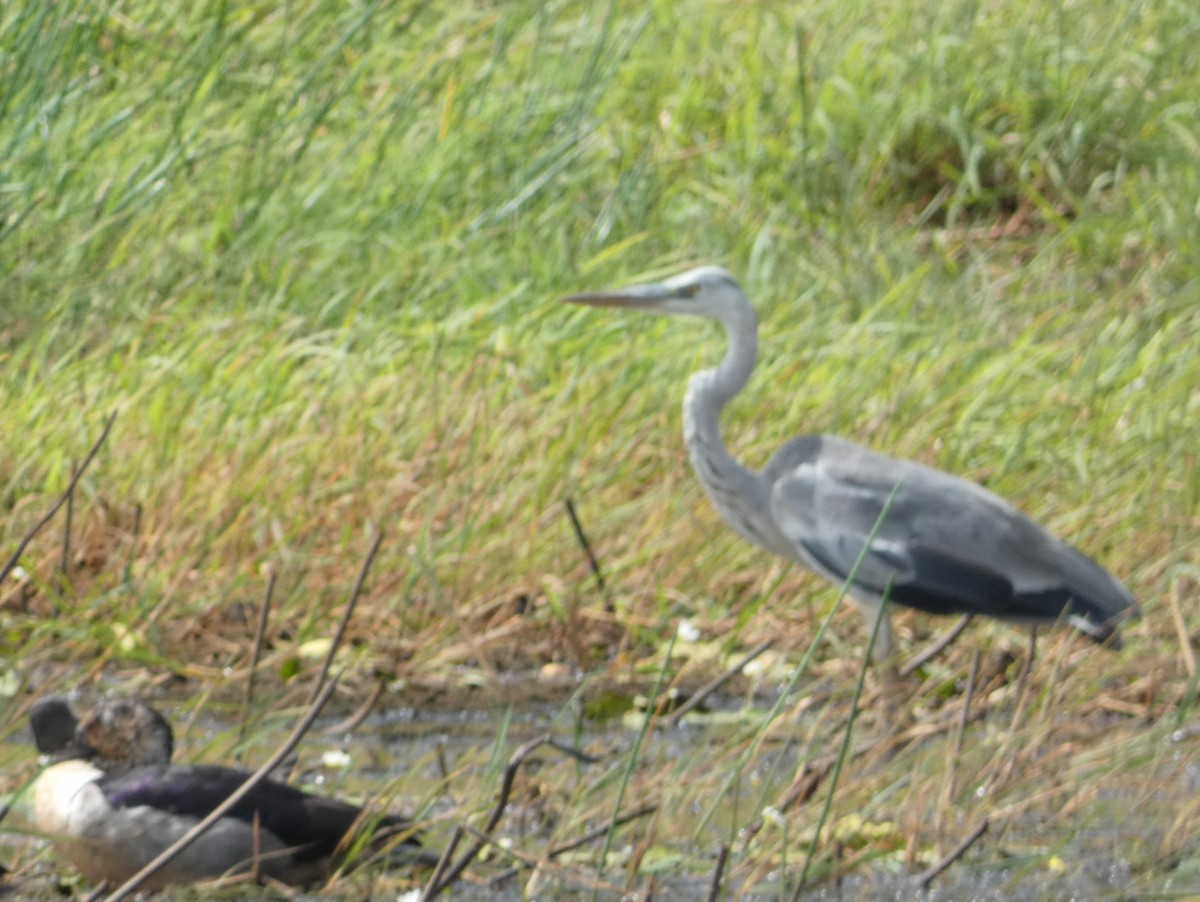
642, 297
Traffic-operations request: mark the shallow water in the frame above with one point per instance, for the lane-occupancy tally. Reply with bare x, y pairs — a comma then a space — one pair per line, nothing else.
444, 757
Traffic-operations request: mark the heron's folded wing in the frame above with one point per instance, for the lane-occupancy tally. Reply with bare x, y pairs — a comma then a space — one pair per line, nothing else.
942, 544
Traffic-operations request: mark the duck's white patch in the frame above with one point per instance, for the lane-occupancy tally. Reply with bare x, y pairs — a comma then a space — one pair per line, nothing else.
112, 844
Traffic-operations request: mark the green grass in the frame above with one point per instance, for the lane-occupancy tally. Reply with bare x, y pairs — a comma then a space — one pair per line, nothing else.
311, 254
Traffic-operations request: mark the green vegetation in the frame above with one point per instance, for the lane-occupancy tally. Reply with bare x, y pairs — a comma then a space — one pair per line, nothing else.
310, 255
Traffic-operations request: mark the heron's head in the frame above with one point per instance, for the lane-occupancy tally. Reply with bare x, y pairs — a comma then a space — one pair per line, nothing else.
707, 291
123, 733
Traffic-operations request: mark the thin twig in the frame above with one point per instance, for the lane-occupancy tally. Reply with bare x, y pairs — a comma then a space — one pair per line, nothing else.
131, 885
712, 686
572, 844
255, 653
714, 889
956, 853
598, 832
33, 530
956, 752
256, 847
572, 752
433, 888
351, 723
806, 784
443, 862
64, 566
1004, 768
935, 648
133, 540
587, 549
1022, 679
845, 746
636, 751
960, 732
1185, 642
530, 861
345, 621
443, 766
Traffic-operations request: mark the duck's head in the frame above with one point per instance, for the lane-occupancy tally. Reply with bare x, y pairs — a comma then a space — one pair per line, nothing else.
122, 733
118, 734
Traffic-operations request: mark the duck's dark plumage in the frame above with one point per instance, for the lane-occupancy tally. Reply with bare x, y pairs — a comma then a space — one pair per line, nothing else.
312, 825
114, 801
53, 723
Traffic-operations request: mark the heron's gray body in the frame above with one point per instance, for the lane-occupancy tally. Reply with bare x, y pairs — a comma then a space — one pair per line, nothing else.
945, 546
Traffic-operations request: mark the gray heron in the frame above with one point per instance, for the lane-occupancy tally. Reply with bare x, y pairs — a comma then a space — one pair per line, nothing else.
946, 545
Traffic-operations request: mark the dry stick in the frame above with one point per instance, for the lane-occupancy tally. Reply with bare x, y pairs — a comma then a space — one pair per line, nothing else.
345, 621
33, 530
956, 853
599, 832
587, 549
130, 886
530, 861
63, 566
571, 752
1054, 686
259, 637
648, 888
444, 861
572, 844
963, 720
433, 888
133, 536
255, 847
1185, 642
714, 891
844, 749
712, 686
1022, 679
635, 752
351, 723
1005, 768
443, 767
935, 648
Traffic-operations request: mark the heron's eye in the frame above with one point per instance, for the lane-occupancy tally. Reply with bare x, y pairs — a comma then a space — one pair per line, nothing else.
691, 290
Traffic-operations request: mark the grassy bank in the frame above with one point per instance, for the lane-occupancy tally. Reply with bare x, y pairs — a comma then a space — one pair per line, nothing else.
310, 257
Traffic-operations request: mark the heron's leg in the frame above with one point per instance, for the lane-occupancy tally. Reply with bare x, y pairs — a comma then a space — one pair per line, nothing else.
891, 684
872, 612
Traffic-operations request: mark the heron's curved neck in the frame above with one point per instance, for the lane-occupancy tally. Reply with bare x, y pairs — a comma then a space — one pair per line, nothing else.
710, 390
735, 491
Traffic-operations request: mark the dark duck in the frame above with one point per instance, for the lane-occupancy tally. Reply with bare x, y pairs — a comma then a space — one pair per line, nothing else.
112, 801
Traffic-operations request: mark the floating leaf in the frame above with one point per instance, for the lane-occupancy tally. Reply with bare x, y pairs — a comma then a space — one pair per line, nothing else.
608, 706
